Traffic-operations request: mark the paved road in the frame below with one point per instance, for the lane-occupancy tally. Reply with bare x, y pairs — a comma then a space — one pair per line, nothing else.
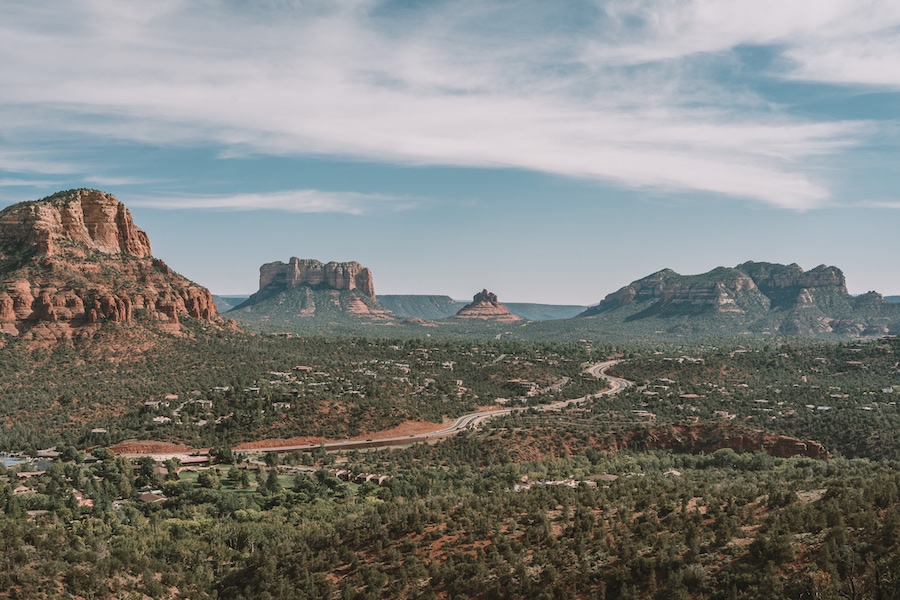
616, 385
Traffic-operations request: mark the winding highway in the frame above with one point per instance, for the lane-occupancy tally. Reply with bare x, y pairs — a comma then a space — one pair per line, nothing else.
616, 385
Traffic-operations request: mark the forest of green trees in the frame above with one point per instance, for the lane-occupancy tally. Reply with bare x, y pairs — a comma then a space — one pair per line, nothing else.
573, 504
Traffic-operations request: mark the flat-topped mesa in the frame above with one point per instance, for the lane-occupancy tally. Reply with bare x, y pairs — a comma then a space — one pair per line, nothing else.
76, 260
485, 305
277, 276
73, 223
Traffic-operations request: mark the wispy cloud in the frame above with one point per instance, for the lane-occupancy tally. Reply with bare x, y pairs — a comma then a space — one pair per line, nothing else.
13, 182
301, 201
614, 91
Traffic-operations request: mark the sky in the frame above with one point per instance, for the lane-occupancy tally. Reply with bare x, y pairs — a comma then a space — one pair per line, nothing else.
549, 152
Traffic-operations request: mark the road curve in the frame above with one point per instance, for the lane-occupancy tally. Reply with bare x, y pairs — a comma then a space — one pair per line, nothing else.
616, 385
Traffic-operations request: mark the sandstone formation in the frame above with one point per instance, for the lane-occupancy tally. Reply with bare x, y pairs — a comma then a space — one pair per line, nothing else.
76, 260
72, 223
718, 292
709, 437
763, 297
277, 276
485, 306
308, 289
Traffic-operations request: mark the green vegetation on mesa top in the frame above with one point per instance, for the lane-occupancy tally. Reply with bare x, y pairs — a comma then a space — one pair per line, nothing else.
233, 387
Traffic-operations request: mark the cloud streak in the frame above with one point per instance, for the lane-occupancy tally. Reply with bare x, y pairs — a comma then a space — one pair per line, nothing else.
299, 201
620, 92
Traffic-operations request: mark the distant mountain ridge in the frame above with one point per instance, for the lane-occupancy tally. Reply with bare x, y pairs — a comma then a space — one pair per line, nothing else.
434, 307
420, 306
753, 297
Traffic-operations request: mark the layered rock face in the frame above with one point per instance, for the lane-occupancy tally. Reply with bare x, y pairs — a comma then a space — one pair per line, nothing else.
310, 290
723, 289
277, 276
719, 291
75, 260
73, 223
485, 305
763, 297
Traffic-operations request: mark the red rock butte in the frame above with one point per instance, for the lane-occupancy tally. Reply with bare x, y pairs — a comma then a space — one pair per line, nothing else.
485, 306
77, 259
307, 272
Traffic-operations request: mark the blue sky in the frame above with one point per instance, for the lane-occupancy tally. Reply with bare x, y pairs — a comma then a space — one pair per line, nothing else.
550, 152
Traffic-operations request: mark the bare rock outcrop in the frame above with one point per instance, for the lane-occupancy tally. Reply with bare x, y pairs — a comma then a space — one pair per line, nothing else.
277, 276
73, 223
719, 291
313, 292
752, 297
709, 437
76, 260
485, 306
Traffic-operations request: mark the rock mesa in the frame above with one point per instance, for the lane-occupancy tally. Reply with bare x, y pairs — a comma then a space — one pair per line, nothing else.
277, 276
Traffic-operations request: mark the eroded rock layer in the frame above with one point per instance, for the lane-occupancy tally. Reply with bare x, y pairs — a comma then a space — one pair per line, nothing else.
485, 305
76, 260
761, 297
277, 276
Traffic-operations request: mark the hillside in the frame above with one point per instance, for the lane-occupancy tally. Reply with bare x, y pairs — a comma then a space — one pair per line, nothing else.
544, 312
226, 303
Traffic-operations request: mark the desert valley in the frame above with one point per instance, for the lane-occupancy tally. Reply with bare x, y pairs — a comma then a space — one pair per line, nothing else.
722, 435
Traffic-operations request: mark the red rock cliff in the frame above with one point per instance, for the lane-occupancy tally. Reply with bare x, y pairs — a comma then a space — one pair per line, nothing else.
77, 259
73, 223
312, 273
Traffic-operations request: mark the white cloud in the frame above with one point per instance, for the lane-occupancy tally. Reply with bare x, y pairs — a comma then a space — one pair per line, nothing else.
613, 94
301, 201
13, 182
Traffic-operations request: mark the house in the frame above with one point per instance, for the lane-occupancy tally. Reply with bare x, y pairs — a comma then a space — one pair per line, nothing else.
151, 498
22, 490
82, 501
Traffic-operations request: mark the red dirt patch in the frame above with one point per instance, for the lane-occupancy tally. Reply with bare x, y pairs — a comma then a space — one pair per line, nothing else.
148, 447
404, 429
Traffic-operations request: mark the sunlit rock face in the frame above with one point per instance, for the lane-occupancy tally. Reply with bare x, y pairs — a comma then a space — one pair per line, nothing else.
75, 260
